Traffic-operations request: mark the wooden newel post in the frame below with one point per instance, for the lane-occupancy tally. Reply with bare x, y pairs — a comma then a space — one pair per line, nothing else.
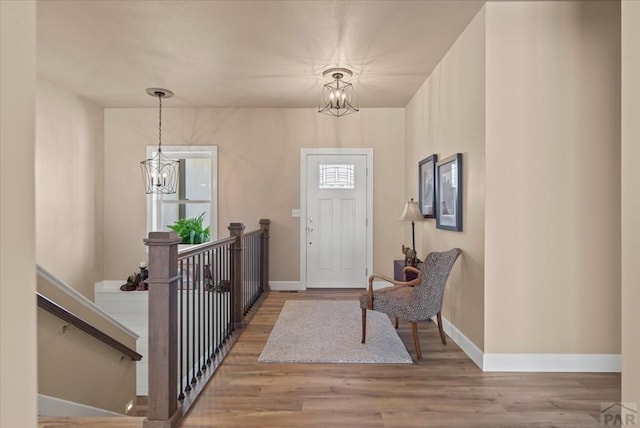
163, 279
264, 227
236, 230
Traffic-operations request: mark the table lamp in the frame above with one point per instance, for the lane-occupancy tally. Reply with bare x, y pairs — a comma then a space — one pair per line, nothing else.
412, 213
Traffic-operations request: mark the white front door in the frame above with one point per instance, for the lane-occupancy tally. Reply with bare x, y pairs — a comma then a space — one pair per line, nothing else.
335, 221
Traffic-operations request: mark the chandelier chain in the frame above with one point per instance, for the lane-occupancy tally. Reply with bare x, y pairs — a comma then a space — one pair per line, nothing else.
160, 123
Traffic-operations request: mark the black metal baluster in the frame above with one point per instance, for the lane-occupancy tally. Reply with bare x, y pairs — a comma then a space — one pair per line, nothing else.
246, 293
198, 295
203, 319
181, 336
254, 256
184, 266
214, 317
248, 262
223, 277
194, 379
256, 266
229, 306
253, 269
224, 298
249, 276
208, 311
243, 254
214, 293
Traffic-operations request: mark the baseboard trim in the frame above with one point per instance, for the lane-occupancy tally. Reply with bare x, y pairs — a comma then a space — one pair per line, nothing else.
380, 284
467, 346
297, 285
489, 362
52, 406
286, 286
585, 363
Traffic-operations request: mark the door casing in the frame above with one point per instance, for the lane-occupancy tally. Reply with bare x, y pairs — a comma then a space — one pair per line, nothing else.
304, 153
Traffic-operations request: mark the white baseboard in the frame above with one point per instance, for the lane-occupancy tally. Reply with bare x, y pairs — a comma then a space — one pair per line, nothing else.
487, 362
587, 363
52, 406
380, 284
467, 346
286, 286
297, 285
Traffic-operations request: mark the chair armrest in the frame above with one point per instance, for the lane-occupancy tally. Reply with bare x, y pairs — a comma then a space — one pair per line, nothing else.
395, 283
411, 269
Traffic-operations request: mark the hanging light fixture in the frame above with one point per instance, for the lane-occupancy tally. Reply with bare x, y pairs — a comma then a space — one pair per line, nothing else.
338, 97
160, 174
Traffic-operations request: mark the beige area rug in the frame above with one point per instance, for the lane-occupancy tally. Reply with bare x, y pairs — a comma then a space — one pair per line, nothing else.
329, 331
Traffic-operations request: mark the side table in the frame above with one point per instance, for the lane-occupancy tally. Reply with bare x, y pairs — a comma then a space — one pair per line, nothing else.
398, 266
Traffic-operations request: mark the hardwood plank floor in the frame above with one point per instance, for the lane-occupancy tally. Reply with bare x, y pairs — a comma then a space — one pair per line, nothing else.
445, 389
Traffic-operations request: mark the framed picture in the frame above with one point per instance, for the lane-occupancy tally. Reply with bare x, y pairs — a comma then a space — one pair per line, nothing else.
426, 186
449, 193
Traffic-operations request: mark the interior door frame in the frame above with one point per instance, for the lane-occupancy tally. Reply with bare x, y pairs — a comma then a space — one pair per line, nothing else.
368, 153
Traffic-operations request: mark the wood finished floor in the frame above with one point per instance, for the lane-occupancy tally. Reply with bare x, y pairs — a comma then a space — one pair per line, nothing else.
446, 389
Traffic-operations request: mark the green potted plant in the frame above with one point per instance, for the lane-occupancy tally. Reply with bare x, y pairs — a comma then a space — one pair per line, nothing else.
191, 230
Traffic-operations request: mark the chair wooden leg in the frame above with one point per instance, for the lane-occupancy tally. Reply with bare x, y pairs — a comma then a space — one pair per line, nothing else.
416, 342
442, 336
396, 323
364, 324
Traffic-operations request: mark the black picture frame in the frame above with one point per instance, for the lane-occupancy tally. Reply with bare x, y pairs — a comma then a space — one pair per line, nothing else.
427, 186
449, 193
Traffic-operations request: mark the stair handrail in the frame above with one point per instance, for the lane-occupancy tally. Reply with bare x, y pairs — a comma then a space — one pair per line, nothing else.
82, 300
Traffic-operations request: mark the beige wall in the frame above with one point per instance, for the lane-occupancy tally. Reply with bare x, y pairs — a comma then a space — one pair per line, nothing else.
69, 171
259, 173
630, 201
79, 368
18, 387
71, 363
552, 250
90, 315
446, 116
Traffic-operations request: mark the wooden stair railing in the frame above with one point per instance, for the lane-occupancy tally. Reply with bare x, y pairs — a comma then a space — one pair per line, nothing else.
64, 314
198, 299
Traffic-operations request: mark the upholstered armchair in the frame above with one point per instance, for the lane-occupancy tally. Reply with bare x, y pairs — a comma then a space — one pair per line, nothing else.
413, 301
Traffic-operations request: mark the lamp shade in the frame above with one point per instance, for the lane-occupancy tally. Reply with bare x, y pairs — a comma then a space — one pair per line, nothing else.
411, 212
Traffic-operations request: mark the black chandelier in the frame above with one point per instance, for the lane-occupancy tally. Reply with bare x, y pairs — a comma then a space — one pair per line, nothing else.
159, 173
338, 97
